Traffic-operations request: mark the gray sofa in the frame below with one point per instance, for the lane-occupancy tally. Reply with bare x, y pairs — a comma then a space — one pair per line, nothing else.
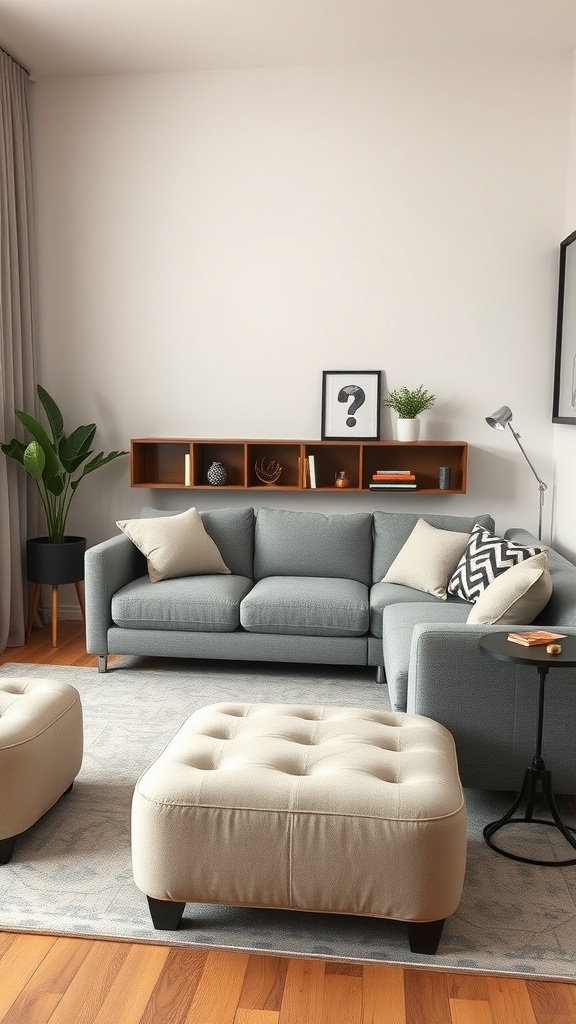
303, 587
308, 588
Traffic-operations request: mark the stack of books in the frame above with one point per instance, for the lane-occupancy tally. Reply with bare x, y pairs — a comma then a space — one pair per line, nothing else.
535, 637
393, 480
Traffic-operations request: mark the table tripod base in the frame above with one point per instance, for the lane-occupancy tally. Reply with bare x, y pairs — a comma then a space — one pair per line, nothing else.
538, 773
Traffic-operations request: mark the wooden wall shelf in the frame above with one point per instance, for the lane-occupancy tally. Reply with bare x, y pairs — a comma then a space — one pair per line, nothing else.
172, 462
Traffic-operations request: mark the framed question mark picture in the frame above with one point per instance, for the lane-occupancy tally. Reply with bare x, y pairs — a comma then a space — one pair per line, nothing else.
351, 405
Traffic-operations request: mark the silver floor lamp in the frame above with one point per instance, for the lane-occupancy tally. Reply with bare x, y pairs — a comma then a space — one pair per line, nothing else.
501, 419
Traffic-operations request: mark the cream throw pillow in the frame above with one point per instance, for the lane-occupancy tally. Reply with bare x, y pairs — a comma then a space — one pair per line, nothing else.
516, 596
175, 545
427, 559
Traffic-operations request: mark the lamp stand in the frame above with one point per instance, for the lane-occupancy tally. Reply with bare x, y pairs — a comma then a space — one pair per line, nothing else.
541, 484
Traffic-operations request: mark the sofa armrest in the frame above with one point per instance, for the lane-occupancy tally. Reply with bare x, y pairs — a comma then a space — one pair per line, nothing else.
491, 707
107, 567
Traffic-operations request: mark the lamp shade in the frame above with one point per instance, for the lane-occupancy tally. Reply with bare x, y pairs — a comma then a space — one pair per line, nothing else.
500, 419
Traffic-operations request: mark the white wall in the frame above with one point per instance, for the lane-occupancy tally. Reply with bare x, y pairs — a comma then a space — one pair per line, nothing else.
209, 243
564, 520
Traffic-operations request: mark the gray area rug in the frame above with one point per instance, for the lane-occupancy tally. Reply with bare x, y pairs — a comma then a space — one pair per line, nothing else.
71, 872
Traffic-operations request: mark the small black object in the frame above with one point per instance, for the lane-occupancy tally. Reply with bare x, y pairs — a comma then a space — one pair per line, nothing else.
444, 478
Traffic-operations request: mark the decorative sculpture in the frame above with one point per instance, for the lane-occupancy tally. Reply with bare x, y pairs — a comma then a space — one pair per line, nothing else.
268, 474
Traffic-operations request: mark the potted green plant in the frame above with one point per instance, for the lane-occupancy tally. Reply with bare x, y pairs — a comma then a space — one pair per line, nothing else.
57, 462
409, 404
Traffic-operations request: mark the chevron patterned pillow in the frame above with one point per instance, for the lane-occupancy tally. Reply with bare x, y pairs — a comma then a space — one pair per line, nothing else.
486, 557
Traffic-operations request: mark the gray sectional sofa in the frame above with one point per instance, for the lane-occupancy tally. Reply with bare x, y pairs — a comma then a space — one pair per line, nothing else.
304, 587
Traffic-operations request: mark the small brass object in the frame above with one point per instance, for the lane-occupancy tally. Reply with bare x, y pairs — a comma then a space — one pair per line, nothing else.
554, 649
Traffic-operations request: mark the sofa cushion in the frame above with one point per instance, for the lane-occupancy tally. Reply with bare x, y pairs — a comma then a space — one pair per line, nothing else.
561, 608
486, 557
206, 604
174, 546
231, 529
311, 544
427, 559
384, 594
392, 529
306, 606
517, 595
398, 625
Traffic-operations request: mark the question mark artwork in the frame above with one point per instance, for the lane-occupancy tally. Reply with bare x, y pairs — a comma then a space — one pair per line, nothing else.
358, 396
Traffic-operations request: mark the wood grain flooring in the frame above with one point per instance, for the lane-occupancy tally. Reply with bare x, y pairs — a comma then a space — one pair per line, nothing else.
80, 981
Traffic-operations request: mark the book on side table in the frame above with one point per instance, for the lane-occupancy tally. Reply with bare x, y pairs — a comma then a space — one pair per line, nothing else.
534, 637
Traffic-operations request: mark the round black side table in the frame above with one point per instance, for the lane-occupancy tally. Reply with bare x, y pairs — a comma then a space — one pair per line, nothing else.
498, 646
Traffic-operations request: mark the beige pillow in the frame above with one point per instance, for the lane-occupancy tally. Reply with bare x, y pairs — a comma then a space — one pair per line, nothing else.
175, 545
427, 559
516, 596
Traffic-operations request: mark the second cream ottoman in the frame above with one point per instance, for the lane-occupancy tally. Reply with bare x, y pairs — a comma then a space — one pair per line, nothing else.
324, 809
41, 748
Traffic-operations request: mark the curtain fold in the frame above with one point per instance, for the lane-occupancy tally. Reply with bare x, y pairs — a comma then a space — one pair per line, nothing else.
19, 512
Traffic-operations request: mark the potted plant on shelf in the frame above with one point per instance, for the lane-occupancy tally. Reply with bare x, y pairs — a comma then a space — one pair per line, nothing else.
409, 404
57, 464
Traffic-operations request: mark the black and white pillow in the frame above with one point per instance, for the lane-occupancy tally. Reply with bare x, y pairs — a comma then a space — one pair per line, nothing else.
486, 557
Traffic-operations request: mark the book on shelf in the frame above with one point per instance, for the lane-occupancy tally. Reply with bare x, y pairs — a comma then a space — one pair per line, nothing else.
383, 477
393, 472
399, 486
312, 470
187, 470
534, 637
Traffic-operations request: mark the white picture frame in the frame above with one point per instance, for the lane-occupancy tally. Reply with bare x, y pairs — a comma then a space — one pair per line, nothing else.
351, 402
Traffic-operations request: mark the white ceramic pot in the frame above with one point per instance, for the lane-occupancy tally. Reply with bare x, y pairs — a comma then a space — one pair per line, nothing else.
408, 430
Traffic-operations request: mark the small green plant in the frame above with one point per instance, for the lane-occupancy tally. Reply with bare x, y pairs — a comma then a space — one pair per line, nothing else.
53, 462
409, 404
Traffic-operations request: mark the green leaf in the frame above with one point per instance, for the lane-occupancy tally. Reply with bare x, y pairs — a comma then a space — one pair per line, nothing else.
74, 449
98, 461
14, 450
54, 484
40, 435
53, 414
34, 460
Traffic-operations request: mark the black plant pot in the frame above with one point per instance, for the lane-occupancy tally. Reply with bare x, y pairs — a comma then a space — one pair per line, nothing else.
55, 563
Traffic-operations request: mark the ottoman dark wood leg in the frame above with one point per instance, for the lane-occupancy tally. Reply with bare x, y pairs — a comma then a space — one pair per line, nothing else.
165, 914
424, 936
7, 849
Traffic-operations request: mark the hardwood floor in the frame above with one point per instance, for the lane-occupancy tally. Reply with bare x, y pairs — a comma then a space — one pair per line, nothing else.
79, 981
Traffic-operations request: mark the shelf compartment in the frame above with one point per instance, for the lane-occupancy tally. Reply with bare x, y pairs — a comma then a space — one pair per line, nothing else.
330, 459
156, 463
230, 453
287, 454
423, 458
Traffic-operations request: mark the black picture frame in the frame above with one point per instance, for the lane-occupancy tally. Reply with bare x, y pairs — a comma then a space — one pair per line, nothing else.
351, 401
564, 395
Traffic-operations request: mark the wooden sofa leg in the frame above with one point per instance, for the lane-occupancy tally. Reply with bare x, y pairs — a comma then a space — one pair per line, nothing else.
379, 673
424, 936
7, 849
165, 915
102, 662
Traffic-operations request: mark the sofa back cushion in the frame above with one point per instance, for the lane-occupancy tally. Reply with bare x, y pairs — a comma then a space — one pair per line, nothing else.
231, 529
311, 544
392, 529
561, 608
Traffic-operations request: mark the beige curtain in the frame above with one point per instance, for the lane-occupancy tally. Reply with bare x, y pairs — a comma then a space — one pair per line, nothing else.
18, 505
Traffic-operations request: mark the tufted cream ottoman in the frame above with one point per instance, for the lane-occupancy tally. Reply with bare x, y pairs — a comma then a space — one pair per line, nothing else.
326, 809
41, 746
